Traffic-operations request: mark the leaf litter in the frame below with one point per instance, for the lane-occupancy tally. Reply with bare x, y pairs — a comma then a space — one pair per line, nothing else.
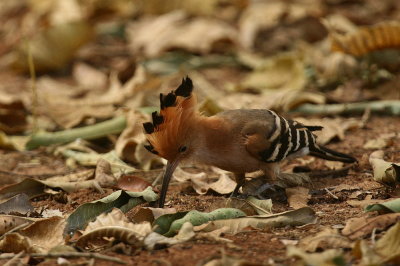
91, 68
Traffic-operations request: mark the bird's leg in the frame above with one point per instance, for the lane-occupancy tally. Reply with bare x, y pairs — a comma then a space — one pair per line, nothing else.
271, 174
239, 178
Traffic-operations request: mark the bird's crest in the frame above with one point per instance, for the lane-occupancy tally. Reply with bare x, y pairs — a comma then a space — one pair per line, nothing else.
170, 125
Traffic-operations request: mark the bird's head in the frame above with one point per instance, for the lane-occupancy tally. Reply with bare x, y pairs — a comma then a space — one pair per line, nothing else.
171, 133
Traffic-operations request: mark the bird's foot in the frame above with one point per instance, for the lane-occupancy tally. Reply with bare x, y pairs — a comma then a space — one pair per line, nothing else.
238, 196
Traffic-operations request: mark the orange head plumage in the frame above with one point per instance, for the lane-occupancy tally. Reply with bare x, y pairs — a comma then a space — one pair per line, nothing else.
170, 130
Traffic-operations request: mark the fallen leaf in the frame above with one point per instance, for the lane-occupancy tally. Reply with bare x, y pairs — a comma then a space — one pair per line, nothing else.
293, 218
297, 197
8, 222
345, 187
229, 260
388, 246
365, 202
284, 71
150, 214
169, 224
387, 206
266, 15
39, 237
119, 199
153, 36
91, 159
332, 127
52, 48
17, 204
328, 238
384, 172
132, 183
224, 184
89, 77
327, 257
363, 226
154, 239
127, 143
381, 142
114, 225
103, 173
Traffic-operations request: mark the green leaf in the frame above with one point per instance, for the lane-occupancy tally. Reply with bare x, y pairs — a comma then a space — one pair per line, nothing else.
389, 206
119, 199
170, 224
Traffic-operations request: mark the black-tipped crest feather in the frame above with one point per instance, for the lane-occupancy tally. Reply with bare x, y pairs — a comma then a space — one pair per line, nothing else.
185, 89
148, 127
157, 119
169, 100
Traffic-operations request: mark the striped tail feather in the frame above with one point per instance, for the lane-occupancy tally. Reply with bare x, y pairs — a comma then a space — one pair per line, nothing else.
330, 155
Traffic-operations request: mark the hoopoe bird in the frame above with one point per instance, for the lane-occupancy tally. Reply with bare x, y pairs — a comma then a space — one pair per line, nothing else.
240, 141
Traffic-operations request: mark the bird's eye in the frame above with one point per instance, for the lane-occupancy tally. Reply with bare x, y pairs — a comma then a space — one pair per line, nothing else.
182, 149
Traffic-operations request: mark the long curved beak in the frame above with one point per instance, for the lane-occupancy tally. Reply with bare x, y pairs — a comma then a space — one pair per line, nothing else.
169, 170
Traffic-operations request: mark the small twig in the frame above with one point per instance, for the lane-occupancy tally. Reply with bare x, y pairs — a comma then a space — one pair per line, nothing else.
14, 229
70, 255
330, 193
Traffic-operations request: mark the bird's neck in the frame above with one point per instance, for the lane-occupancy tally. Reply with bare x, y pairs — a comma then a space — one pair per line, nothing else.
211, 138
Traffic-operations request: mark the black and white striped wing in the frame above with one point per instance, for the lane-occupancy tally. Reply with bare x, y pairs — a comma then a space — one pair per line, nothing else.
287, 138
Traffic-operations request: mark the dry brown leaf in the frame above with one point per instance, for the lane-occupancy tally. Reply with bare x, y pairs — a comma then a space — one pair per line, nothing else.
89, 77
147, 214
8, 222
297, 197
224, 184
103, 173
384, 172
18, 204
332, 127
39, 237
296, 217
325, 258
67, 109
333, 165
265, 15
381, 142
132, 183
153, 36
328, 238
53, 47
284, 71
363, 226
114, 224
365, 202
280, 100
74, 177
226, 260
129, 145
154, 239
345, 187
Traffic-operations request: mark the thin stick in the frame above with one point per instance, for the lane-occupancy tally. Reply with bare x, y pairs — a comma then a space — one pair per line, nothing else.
69, 255
330, 193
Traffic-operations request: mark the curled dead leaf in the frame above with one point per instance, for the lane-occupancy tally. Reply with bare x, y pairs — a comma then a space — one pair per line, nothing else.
132, 183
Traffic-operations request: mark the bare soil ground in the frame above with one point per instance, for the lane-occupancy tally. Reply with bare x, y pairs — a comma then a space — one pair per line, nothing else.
253, 246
